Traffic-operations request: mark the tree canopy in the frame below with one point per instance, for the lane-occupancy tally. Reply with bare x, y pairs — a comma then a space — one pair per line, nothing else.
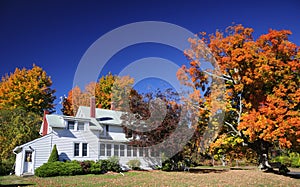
110, 88
262, 85
17, 127
29, 89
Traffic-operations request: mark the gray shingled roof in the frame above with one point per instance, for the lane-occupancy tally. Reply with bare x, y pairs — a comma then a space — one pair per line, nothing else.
104, 116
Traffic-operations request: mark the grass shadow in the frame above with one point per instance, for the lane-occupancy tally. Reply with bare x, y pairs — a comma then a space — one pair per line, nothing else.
294, 175
15, 185
208, 170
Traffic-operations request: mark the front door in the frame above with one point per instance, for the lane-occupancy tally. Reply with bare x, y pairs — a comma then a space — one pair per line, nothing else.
28, 166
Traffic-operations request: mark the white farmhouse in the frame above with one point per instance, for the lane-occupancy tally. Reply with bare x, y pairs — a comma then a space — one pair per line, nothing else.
93, 134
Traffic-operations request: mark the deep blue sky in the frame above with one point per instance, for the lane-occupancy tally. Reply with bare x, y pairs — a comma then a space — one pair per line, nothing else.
55, 34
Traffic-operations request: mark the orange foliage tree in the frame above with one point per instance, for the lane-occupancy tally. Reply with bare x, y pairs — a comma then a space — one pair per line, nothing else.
28, 89
262, 86
108, 89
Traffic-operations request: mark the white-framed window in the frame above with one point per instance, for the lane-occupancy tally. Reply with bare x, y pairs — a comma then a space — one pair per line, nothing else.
122, 150
71, 125
129, 150
141, 151
81, 149
102, 149
80, 126
108, 149
84, 149
134, 151
116, 150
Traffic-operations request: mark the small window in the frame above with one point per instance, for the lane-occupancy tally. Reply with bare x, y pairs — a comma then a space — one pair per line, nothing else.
116, 150
76, 149
80, 126
102, 149
122, 148
128, 150
108, 149
141, 151
28, 156
71, 125
84, 149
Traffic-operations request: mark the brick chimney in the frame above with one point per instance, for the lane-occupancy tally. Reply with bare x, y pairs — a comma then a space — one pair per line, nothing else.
112, 106
93, 107
45, 123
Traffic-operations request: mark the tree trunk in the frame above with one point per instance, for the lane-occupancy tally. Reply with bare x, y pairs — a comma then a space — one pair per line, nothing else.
261, 147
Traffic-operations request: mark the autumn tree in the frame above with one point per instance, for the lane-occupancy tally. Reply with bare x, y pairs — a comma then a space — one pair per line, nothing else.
157, 121
29, 89
17, 127
262, 86
108, 89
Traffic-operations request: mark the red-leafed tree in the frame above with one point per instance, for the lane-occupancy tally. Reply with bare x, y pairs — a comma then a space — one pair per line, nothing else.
262, 86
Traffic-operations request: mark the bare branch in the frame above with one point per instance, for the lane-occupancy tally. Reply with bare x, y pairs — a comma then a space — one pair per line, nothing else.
214, 75
234, 129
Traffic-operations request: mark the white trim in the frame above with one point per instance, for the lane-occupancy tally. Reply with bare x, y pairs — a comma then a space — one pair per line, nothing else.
81, 149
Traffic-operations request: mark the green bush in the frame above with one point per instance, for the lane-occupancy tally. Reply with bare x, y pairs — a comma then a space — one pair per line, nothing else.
86, 166
113, 164
54, 155
290, 159
134, 164
6, 166
166, 165
57, 168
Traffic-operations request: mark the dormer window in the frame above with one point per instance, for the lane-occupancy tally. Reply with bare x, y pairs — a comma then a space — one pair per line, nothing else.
80, 126
71, 125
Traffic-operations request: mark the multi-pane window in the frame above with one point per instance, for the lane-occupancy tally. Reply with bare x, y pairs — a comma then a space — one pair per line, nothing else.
102, 149
146, 150
128, 150
108, 149
141, 151
80, 149
134, 151
84, 149
80, 126
76, 149
122, 148
116, 150
71, 125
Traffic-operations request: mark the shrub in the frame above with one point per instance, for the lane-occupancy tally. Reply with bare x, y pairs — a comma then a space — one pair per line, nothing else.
57, 168
54, 155
166, 165
86, 166
96, 168
134, 164
113, 164
291, 159
6, 166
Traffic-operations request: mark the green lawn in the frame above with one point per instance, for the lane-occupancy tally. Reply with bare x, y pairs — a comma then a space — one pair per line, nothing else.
159, 178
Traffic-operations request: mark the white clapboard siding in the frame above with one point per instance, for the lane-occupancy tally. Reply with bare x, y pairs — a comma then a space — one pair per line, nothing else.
67, 138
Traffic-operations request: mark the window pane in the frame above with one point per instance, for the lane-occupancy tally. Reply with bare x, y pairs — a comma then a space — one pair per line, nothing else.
80, 126
76, 149
102, 149
134, 151
122, 148
108, 149
71, 125
141, 151
116, 150
28, 156
146, 150
128, 150
84, 149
